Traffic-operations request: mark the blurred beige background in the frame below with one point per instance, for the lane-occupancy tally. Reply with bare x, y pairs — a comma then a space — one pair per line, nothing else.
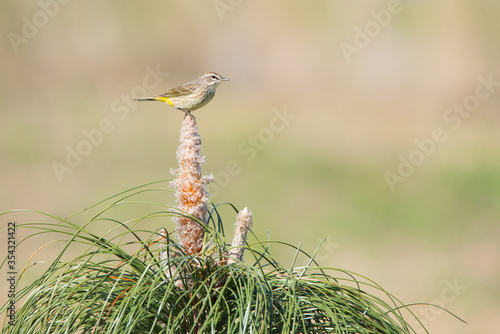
326, 100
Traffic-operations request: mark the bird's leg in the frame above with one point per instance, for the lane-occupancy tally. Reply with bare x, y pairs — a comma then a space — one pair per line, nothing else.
187, 113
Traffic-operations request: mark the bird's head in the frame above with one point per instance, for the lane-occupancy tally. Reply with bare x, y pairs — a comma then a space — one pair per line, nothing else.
213, 79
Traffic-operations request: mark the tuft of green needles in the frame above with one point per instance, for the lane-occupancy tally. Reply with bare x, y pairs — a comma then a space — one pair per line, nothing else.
131, 279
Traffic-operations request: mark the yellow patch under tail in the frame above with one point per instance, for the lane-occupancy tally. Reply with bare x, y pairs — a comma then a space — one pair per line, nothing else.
164, 99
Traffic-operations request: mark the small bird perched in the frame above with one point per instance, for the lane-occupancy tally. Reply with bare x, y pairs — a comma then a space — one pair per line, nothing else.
192, 95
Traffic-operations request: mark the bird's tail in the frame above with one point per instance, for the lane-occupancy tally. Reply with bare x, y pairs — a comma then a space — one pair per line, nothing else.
146, 99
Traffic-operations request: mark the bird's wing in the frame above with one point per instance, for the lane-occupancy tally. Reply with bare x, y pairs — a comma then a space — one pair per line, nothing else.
180, 91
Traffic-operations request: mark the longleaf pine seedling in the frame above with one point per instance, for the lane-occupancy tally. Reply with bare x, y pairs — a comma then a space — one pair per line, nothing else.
128, 278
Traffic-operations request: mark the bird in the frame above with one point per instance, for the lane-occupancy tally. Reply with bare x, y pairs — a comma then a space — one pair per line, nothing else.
192, 95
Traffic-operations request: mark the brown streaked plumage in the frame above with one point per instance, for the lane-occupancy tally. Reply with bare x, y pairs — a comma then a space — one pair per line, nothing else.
192, 95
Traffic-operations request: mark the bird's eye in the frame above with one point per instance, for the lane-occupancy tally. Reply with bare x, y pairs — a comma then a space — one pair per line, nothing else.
214, 77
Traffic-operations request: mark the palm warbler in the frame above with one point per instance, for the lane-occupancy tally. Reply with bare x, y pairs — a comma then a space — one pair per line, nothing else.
192, 95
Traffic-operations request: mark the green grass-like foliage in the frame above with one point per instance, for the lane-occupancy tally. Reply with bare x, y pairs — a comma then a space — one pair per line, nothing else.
120, 284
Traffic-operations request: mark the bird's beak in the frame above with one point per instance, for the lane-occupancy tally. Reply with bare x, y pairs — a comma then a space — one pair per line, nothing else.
224, 79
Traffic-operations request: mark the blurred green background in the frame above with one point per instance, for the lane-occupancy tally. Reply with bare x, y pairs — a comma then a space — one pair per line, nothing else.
72, 67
